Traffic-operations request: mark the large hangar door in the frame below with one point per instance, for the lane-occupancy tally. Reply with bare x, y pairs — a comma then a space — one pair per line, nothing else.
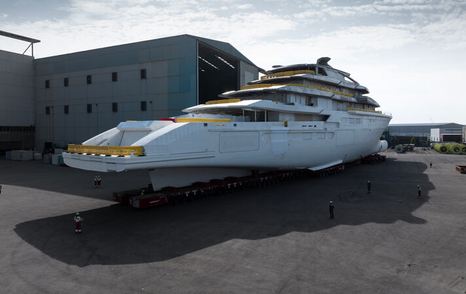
218, 73
451, 138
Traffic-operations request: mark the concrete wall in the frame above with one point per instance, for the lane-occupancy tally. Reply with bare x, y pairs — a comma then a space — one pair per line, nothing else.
16, 89
170, 86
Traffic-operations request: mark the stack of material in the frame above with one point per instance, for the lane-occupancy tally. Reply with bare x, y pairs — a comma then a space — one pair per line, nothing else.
57, 159
21, 155
58, 151
37, 156
47, 158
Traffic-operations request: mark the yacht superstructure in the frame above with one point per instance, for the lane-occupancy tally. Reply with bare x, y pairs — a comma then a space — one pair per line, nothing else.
303, 116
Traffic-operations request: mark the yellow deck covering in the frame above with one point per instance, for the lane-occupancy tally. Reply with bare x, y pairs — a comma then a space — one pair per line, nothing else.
106, 150
288, 73
221, 101
200, 119
315, 87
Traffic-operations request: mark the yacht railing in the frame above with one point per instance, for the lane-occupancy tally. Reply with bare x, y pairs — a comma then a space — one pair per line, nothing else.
362, 109
314, 87
287, 73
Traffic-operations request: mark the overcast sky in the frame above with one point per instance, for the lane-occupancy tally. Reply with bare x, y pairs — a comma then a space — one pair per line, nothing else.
411, 54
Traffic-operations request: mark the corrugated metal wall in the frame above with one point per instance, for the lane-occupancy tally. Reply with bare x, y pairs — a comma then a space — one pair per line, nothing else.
169, 86
16, 101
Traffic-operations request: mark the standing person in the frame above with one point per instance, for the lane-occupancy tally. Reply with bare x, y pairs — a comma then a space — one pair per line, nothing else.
331, 209
431, 164
95, 181
419, 192
369, 187
99, 181
77, 223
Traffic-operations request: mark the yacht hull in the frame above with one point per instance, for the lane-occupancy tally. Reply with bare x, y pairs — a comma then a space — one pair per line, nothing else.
191, 152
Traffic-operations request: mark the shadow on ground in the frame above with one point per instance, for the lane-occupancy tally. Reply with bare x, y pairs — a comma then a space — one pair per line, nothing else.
63, 179
120, 235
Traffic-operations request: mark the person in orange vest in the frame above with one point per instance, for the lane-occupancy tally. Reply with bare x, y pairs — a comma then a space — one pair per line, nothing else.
77, 223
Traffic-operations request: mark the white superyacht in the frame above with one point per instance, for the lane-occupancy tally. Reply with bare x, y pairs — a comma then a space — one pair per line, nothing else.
303, 116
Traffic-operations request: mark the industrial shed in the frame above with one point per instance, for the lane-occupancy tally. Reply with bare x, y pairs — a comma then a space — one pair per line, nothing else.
72, 97
420, 133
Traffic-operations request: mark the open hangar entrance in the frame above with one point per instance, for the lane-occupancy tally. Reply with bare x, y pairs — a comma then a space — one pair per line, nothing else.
218, 72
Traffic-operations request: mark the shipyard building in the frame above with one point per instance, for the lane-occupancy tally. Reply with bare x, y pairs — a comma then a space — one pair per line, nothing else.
69, 98
422, 134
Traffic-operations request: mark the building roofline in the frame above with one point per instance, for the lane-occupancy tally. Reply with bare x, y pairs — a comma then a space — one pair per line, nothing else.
211, 42
422, 124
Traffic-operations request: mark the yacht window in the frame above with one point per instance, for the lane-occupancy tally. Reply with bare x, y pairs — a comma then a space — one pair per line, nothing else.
234, 112
260, 115
272, 116
249, 115
311, 101
290, 100
310, 117
255, 115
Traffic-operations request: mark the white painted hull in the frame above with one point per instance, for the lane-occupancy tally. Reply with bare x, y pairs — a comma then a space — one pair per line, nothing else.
242, 146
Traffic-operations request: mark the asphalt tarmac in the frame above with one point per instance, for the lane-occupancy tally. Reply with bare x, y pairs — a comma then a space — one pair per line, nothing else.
277, 239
